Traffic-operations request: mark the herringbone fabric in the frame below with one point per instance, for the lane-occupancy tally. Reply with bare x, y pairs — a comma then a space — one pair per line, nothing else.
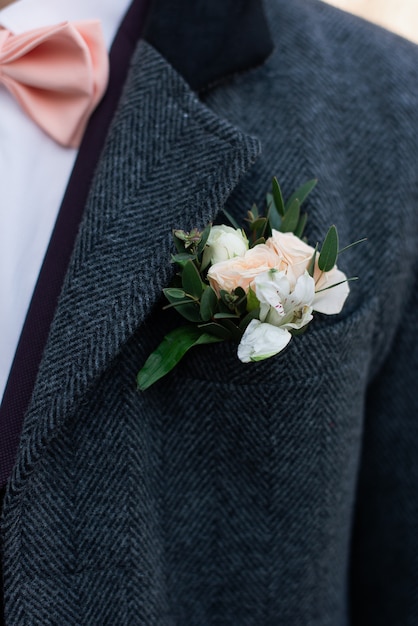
226, 494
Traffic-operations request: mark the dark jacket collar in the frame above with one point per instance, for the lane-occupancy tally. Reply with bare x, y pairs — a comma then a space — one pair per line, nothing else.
207, 41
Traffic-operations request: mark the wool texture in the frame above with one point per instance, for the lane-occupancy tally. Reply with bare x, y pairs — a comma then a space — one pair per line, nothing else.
281, 492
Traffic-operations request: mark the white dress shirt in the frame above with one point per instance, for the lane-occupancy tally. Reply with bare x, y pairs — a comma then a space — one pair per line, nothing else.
34, 171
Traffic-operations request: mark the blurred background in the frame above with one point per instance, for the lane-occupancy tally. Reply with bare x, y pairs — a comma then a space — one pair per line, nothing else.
401, 16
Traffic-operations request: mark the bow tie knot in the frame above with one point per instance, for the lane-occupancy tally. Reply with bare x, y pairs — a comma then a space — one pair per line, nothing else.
58, 74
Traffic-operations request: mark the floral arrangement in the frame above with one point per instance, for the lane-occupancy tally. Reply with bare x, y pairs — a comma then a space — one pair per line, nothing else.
258, 287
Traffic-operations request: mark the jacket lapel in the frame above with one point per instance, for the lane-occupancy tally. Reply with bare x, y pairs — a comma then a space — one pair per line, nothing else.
168, 162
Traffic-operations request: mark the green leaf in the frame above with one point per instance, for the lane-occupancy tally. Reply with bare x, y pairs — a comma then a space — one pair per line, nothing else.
252, 315
180, 247
192, 283
301, 225
252, 301
278, 197
329, 250
301, 193
241, 303
355, 243
347, 280
231, 219
190, 312
240, 292
253, 214
258, 224
172, 294
227, 298
204, 238
182, 258
216, 329
170, 351
224, 316
311, 267
291, 218
184, 305
273, 215
176, 303
208, 303
235, 330
258, 241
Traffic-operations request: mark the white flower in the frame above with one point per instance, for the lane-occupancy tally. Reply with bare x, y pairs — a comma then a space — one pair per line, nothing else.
261, 341
224, 242
332, 300
282, 306
281, 309
297, 255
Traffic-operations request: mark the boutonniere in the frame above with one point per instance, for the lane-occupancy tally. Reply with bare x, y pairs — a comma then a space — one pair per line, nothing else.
258, 286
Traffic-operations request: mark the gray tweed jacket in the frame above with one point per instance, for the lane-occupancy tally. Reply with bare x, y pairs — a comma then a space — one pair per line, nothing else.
278, 493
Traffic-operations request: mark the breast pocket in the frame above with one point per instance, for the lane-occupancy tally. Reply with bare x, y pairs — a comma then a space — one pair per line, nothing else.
260, 460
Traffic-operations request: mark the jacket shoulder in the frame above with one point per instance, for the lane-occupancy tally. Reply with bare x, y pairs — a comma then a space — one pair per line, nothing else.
347, 49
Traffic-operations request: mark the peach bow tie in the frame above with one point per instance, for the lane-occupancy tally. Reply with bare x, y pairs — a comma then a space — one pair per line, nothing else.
58, 74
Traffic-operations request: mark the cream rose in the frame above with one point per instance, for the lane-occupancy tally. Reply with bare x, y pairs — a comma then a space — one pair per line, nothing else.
224, 242
295, 253
241, 271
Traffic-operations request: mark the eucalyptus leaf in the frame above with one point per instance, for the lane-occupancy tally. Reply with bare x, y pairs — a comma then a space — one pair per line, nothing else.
208, 304
180, 247
329, 250
301, 225
216, 329
254, 213
172, 294
190, 312
204, 238
258, 241
184, 305
291, 218
341, 282
301, 193
222, 316
278, 197
227, 299
355, 243
240, 292
241, 303
192, 283
253, 303
252, 315
182, 258
311, 266
169, 353
258, 224
231, 219
273, 215
235, 330
176, 303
